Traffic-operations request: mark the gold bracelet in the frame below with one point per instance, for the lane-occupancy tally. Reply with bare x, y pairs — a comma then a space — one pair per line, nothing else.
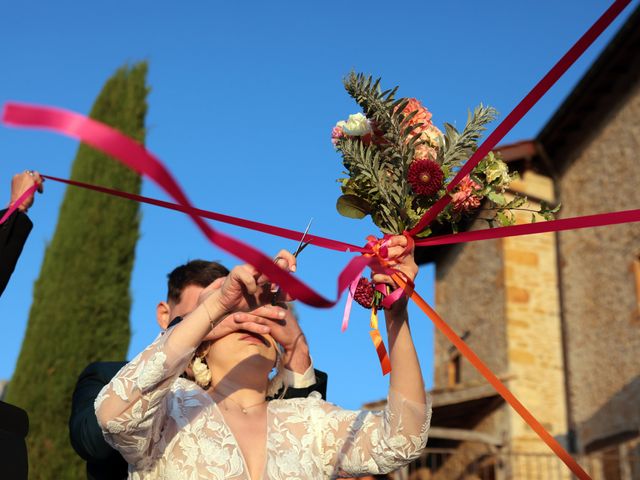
211, 323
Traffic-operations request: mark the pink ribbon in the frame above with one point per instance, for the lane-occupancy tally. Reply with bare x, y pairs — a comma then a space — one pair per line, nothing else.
136, 157
15, 205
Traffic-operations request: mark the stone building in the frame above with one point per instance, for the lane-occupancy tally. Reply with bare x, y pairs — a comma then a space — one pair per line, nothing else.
555, 316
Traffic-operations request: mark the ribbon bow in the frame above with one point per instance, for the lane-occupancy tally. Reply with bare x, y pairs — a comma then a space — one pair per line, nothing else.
379, 249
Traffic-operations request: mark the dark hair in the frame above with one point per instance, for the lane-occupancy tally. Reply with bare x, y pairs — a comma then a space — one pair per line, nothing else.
196, 272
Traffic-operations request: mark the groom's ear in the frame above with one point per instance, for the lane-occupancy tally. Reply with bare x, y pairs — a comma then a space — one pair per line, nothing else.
163, 315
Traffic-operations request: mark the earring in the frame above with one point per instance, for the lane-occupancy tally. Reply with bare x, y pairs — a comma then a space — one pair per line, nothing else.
201, 372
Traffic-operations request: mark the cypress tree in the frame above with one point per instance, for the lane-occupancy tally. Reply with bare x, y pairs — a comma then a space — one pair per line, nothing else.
81, 304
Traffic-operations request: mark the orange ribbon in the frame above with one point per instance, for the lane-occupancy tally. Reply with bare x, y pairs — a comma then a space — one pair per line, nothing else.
500, 387
378, 248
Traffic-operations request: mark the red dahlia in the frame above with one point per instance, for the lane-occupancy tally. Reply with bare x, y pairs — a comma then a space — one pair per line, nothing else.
425, 176
364, 293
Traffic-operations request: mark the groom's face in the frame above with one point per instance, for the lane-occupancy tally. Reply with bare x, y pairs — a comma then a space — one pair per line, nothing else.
188, 301
167, 311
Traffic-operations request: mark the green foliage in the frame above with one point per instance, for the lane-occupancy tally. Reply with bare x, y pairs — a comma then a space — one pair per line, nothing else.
458, 147
377, 173
377, 163
80, 310
547, 211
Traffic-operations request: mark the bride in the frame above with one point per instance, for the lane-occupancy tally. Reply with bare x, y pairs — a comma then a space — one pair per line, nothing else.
167, 426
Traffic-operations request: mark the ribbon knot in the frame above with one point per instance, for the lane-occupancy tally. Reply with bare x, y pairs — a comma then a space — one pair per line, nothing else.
378, 248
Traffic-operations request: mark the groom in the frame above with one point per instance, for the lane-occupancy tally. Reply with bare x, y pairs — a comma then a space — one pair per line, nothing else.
185, 285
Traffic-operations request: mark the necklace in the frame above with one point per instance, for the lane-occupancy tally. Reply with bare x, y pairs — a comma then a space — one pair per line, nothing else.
244, 410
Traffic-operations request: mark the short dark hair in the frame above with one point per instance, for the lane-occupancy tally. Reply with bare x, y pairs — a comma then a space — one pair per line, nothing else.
196, 272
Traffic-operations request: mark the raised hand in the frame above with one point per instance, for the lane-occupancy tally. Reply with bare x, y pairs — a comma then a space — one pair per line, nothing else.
257, 321
246, 289
400, 259
284, 328
20, 183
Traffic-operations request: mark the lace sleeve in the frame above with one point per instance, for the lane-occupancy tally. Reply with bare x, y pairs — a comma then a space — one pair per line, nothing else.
131, 409
364, 442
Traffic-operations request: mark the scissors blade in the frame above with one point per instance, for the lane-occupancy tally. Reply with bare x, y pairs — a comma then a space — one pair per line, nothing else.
301, 245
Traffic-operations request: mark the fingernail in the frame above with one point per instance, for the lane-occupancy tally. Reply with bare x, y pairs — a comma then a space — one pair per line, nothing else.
281, 314
292, 268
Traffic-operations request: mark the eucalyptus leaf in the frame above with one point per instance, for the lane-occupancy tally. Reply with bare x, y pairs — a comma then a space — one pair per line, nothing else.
352, 206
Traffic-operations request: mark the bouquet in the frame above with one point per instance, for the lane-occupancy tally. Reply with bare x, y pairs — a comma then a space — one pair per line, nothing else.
398, 163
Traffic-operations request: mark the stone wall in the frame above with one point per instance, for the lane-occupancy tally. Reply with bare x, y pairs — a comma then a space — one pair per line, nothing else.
534, 336
470, 297
599, 289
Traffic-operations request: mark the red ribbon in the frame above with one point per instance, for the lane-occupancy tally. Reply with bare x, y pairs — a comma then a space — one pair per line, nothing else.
573, 223
240, 222
523, 107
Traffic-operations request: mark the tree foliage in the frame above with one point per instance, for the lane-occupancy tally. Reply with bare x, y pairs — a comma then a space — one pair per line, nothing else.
81, 304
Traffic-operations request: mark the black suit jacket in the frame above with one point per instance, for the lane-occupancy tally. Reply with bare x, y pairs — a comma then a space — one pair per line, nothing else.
13, 235
103, 462
14, 422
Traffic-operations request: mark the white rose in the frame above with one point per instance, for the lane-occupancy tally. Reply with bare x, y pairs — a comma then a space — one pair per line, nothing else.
356, 125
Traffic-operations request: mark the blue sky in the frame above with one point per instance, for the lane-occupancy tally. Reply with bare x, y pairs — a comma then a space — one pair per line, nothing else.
243, 98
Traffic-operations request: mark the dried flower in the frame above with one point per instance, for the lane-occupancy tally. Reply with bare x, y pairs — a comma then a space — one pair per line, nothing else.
465, 198
364, 293
424, 129
422, 116
336, 133
425, 177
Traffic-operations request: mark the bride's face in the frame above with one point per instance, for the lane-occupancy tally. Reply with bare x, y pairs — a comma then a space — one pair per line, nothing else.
243, 349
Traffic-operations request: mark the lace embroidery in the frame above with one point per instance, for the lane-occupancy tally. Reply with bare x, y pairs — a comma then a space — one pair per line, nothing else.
168, 427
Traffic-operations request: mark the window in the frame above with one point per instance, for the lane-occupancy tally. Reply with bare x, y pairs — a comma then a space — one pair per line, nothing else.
455, 374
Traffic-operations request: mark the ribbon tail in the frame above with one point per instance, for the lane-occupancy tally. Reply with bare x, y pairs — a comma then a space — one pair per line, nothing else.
385, 363
347, 306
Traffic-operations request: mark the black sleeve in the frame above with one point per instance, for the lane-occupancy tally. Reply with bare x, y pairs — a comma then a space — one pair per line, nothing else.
13, 234
320, 386
84, 431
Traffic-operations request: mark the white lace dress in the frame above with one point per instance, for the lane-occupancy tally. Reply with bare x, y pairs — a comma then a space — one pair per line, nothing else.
167, 427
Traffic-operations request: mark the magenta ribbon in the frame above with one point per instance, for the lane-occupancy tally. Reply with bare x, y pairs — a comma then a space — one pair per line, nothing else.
523, 108
573, 223
239, 222
136, 157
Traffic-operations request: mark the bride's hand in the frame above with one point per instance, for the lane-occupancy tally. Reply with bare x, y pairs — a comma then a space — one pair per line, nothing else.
399, 259
245, 289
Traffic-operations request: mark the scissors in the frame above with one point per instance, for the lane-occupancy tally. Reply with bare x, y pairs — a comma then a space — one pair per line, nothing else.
301, 246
